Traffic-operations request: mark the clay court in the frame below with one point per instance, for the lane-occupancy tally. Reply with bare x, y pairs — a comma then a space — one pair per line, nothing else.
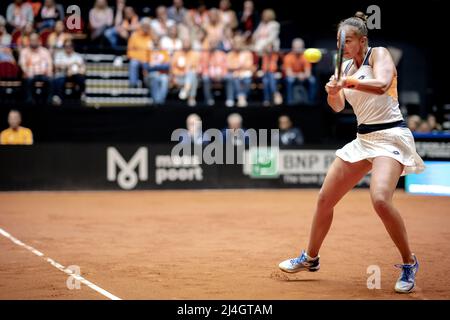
212, 245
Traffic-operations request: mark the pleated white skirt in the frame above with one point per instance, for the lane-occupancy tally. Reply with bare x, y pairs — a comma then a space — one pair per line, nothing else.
397, 143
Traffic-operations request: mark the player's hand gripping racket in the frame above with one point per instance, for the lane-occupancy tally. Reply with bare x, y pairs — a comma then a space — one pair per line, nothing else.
340, 56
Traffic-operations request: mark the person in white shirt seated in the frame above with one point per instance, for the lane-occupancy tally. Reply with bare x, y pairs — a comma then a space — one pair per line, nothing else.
69, 66
161, 24
171, 42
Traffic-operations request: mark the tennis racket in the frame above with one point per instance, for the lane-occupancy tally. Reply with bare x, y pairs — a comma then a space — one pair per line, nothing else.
340, 55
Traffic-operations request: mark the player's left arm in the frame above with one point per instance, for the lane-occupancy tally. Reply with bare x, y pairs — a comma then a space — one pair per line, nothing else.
383, 70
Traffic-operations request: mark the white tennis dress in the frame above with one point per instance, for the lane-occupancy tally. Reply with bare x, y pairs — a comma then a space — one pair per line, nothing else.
374, 111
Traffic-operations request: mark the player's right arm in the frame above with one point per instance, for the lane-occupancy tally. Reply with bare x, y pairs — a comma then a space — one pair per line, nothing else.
335, 99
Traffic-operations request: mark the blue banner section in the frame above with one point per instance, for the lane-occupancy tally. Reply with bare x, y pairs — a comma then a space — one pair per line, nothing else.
435, 180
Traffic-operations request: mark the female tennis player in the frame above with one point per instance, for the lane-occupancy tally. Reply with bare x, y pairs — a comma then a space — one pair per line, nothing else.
383, 145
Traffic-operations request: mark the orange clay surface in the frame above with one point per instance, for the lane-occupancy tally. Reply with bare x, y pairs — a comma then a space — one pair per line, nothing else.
213, 245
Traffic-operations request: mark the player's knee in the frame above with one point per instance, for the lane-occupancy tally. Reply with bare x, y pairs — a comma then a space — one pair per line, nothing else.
381, 202
324, 202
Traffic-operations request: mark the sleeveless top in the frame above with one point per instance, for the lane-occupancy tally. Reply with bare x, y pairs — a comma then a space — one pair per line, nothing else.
371, 108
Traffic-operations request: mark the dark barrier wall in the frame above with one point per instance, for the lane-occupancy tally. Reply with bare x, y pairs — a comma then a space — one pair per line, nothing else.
150, 166
138, 166
156, 124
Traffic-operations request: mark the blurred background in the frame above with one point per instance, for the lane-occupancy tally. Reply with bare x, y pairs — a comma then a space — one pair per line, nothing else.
133, 71
77, 75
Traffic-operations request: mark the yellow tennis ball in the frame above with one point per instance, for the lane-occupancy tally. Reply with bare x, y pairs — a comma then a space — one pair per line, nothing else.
313, 55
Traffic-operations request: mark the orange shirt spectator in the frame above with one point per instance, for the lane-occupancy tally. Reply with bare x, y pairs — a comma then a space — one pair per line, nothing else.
214, 64
194, 59
240, 63
296, 63
178, 64
140, 45
270, 62
16, 134
20, 135
184, 61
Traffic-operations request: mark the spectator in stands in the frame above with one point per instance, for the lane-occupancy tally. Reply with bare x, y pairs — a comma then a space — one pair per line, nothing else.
214, 69
226, 43
162, 23
424, 127
171, 42
185, 68
140, 45
288, 134
194, 22
434, 125
248, 19
227, 15
195, 34
24, 38
214, 27
6, 54
194, 134
2, 21
124, 26
267, 32
49, 14
56, 39
269, 70
37, 65
298, 70
177, 11
100, 19
184, 32
118, 11
235, 133
16, 134
414, 122
241, 67
178, 66
19, 14
36, 6
69, 67
158, 75
198, 16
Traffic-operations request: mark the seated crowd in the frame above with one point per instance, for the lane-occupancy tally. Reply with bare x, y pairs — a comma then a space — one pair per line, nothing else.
176, 47
42, 50
185, 48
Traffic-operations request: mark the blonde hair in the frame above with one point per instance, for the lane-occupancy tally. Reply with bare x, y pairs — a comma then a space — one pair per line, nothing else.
358, 21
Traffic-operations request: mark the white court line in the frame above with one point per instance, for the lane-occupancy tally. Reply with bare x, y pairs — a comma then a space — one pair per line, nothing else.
59, 266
